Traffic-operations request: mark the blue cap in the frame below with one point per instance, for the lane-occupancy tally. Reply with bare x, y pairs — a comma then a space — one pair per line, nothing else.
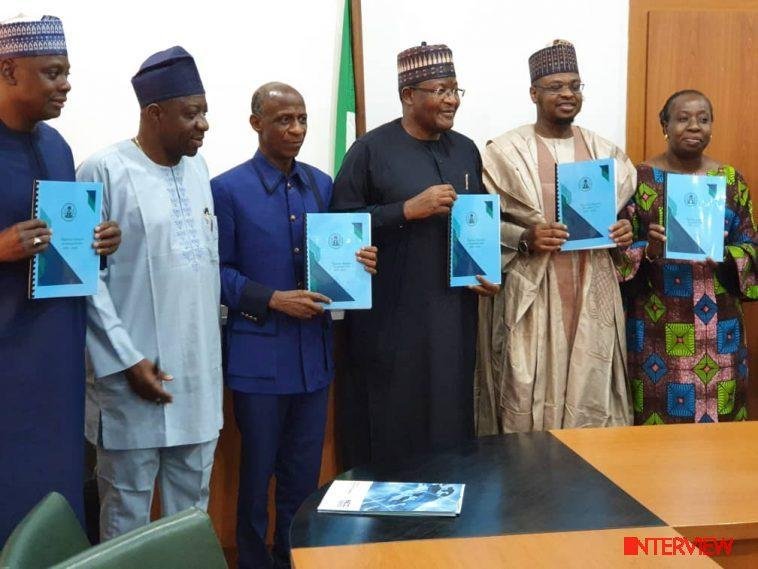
165, 75
25, 36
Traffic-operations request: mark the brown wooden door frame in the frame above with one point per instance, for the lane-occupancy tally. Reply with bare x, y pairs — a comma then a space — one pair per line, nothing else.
636, 111
356, 19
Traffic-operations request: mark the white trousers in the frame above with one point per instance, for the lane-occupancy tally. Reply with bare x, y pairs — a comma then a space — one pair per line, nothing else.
126, 480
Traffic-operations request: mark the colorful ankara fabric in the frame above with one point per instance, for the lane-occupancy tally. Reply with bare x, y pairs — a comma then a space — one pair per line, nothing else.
424, 62
31, 37
685, 334
557, 58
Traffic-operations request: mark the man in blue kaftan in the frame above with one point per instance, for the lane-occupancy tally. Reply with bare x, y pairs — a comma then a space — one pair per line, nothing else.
41, 341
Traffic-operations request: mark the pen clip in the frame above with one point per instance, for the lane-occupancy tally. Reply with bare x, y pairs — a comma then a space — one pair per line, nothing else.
208, 217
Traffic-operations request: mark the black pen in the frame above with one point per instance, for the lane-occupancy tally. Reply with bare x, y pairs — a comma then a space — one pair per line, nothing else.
209, 217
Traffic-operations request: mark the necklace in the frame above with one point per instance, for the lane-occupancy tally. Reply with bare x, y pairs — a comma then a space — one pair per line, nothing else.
135, 140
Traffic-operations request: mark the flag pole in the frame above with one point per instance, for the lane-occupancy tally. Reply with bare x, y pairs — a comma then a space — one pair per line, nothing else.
357, 45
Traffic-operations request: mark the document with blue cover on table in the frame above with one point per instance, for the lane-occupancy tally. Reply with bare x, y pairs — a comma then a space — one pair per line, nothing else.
695, 208
393, 498
474, 239
585, 202
332, 240
69, 266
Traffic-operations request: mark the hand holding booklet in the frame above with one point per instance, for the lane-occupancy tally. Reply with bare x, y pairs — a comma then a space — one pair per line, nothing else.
474, 240
331, 241
695, 207
69, 266
585, 202
393, 498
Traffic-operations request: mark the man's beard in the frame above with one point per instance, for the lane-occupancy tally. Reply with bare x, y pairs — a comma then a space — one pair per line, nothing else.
565, 121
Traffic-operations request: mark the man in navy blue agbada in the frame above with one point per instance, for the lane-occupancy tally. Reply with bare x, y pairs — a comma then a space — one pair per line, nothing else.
278, 339
41, 341
409, 383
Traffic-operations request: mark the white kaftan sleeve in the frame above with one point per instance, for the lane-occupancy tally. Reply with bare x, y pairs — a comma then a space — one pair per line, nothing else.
110, 347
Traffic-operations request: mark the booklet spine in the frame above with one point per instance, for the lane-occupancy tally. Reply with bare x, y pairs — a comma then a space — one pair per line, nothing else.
33, 260
307, 255
450, 247
558, 210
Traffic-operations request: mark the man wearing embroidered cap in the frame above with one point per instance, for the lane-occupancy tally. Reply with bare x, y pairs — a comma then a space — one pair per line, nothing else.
41, 341
154, 408
551, 343
411, 357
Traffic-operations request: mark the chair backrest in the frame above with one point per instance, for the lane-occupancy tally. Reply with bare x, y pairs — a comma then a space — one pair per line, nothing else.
48, 534
183, 541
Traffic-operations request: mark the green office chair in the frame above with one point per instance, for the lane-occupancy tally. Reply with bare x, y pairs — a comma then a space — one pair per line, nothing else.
47, 535
183, 541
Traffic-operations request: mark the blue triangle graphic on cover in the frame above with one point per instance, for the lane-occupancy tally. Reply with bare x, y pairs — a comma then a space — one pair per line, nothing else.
54, 270
679, 240
324, 283
463, 263
580, 227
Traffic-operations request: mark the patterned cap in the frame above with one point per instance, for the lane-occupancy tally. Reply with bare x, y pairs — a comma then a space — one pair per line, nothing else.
166, 75
423, 62
24, 36
557, 58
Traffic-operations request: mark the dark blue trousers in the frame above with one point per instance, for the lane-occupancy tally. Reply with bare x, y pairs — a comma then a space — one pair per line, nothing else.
282, 435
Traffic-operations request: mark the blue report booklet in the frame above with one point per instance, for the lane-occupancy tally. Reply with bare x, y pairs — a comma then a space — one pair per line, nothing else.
585, 202
332, 240
474, 239
695, 207
393, 498
69, 266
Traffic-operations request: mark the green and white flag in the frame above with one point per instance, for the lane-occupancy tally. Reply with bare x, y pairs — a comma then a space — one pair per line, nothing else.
344, 131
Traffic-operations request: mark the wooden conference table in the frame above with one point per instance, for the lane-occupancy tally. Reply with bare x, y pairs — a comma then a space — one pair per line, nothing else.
563, 498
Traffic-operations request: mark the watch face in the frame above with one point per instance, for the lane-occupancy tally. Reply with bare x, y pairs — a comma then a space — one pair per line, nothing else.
523, 247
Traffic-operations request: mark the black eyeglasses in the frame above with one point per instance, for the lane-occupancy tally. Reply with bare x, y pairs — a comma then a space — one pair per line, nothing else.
441, 92
554, 88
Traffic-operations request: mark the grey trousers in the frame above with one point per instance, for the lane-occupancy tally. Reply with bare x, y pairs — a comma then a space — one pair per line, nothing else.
126, 479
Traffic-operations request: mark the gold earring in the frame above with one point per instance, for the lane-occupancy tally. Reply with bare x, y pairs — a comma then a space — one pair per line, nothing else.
666, 136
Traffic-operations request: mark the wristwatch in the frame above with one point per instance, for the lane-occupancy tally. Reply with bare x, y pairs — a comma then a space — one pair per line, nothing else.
523, 244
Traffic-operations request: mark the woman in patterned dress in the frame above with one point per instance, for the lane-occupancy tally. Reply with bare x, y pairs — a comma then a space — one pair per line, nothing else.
685, 334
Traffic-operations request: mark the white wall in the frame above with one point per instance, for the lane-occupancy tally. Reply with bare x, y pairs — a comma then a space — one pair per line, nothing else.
239, 45
491, 42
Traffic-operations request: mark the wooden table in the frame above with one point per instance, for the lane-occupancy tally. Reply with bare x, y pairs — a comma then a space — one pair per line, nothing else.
565, 498
598, 548
698, 475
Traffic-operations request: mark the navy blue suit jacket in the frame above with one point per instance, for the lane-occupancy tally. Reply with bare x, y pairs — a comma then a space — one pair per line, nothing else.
261, 227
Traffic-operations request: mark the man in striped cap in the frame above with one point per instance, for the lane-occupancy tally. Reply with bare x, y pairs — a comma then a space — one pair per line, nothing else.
411, 357
551, 351
41, 341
